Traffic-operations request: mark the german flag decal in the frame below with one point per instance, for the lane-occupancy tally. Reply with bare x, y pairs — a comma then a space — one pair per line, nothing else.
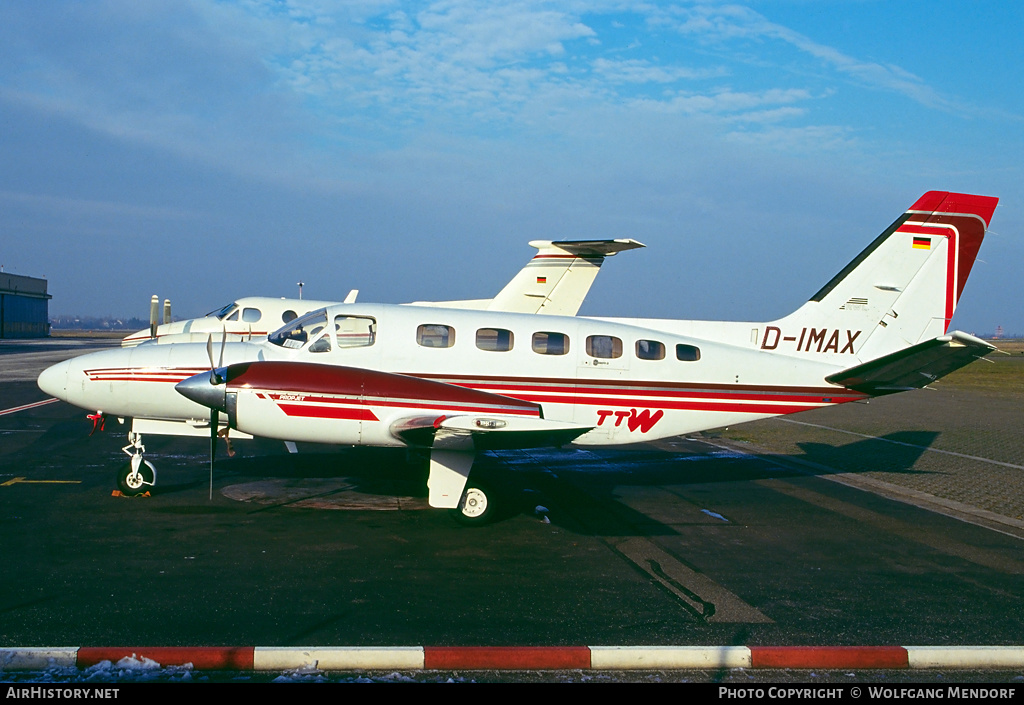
544, 280
922, 243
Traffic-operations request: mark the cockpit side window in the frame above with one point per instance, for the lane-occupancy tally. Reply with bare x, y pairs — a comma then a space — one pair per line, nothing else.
322, 344
298, 333
251, 315
221, 313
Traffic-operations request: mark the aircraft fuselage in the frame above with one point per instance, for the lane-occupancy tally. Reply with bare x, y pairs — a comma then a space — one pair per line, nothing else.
628, 383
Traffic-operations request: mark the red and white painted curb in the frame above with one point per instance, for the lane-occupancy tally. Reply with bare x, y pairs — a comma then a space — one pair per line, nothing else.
518, 658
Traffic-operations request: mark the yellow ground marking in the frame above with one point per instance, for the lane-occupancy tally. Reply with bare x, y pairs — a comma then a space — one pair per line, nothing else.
23, 481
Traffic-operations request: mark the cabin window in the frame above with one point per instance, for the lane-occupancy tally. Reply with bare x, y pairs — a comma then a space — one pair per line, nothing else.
494, 339
547, 343
355, 331
650, 350
251, 315
288, 316
296, 334
604, 346
435, 336
687, 353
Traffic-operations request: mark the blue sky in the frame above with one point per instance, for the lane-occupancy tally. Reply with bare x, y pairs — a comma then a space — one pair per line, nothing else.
204, 151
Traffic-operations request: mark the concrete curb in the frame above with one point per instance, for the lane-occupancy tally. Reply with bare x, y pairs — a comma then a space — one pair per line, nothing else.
519, 658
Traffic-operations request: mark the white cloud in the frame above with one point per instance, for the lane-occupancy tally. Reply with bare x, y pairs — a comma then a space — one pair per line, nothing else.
643, 71
723, 23
724, 101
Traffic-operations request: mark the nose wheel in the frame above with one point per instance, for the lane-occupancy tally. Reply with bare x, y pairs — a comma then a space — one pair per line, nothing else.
137, 475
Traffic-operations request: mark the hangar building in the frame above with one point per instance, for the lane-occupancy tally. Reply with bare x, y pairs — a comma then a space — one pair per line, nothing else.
24, 307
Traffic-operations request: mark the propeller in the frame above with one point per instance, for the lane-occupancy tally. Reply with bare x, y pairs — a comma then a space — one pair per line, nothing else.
215, 379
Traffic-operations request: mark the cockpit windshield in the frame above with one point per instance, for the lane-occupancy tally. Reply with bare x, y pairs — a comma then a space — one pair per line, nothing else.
223, 313
299, 332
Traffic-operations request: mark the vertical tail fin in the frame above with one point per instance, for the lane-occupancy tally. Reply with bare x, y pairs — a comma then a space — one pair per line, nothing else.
901, 290
557, 279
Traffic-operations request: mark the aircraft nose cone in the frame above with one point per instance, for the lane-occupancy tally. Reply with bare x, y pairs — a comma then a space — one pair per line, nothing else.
199, 389
54, 380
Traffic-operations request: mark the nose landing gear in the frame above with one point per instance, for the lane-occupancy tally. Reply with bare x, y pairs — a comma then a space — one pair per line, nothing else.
138, 474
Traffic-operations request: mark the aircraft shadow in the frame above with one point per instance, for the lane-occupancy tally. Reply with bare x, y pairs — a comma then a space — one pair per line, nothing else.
643, 464
577, 487
594, 478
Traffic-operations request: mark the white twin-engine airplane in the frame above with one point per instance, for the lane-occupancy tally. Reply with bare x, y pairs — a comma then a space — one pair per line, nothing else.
554, 282
457, 382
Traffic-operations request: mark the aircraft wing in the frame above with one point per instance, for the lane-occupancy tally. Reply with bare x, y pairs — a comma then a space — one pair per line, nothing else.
913, 367
301, 401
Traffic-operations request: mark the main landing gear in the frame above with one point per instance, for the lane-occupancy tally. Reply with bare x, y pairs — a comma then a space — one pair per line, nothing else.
138, 474
476, 506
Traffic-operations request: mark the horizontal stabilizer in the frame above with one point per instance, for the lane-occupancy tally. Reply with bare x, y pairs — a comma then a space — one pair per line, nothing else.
602, 248
913, 367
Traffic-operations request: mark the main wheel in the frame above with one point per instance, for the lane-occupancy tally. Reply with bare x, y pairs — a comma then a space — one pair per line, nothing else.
135, 483
475, 507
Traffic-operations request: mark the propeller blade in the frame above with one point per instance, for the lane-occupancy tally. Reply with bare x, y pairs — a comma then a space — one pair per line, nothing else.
209, 354
214, 424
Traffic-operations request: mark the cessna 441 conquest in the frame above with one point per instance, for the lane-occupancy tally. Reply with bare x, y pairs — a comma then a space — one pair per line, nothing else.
457, 382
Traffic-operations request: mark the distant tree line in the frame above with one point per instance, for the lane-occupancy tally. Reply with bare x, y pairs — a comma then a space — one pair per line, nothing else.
97, 323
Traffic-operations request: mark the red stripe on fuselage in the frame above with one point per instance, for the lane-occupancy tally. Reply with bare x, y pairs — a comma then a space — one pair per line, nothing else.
529, 387
142, 374
517, 395
299, 397
539, 392
329, 412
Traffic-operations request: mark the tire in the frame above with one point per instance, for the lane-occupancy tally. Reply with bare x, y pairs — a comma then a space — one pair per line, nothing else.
476, 507
132, 486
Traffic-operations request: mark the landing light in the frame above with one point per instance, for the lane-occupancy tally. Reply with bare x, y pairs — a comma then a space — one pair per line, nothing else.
490, 424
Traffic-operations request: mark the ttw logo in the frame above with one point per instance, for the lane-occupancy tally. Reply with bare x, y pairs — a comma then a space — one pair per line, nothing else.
643, 420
